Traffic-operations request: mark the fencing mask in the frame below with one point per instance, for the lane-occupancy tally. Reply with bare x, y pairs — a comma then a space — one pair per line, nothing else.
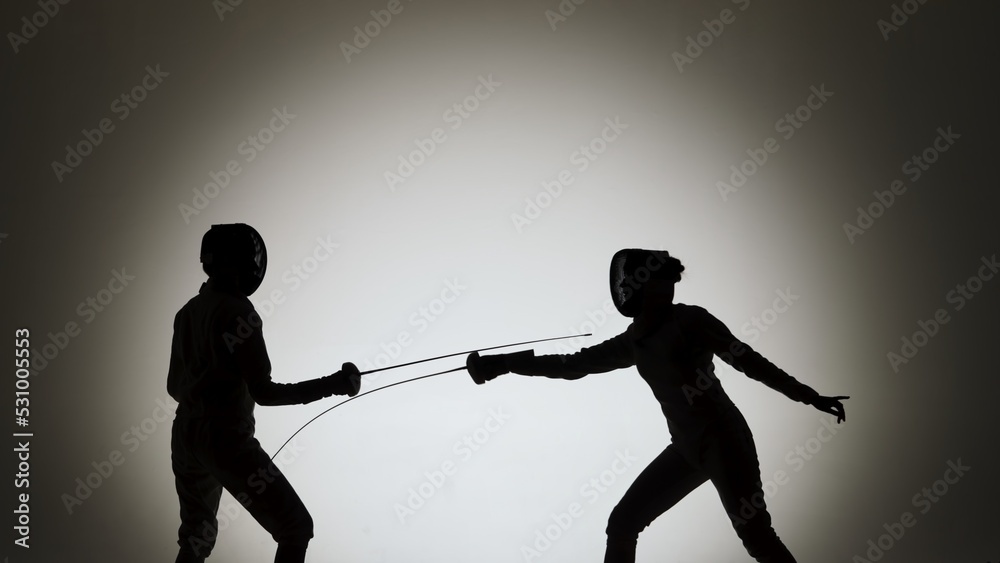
631, 268
239, 247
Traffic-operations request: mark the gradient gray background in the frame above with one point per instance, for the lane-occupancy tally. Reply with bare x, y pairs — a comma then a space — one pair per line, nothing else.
322, 177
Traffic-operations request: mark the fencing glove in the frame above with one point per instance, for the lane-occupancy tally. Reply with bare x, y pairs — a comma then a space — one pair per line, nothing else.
485, 368
347, 381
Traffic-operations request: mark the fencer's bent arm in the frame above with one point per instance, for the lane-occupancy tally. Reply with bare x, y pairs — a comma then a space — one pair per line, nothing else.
718, 339
612, 354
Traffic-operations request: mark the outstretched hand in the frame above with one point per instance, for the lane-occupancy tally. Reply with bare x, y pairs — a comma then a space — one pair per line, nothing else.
831, 405
347, 381
485, 368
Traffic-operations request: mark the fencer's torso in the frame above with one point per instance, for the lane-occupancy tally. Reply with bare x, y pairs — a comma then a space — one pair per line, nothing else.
674, 355
203, 377
677, 364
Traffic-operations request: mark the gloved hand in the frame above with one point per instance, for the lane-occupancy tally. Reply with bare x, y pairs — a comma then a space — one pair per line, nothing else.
831, 405
485, 368
347, 381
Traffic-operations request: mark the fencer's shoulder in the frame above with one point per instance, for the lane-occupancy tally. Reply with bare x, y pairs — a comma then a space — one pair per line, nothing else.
192, 305
220, 303
237, 305
688, 311
693, 315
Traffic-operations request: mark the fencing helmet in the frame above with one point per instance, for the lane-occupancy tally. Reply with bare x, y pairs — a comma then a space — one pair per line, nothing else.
631, 268
239, 247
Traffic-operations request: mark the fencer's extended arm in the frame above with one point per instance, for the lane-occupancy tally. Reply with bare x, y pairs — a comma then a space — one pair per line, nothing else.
245, 341
718, 339
614, 353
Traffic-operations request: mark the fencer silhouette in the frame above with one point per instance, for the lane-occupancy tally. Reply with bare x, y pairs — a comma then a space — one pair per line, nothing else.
672, 346
219, 369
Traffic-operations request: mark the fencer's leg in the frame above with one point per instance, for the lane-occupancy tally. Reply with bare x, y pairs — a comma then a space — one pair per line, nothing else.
246, 471
278, 508
290, 553
661, 485
198, 493
732, 465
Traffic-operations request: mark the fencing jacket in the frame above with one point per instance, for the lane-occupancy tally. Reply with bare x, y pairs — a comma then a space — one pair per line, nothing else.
675, 359
218, 362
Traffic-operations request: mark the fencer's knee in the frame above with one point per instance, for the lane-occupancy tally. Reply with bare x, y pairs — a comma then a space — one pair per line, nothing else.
288, 553
306, 526
621, 524
197, 543
299, 531
757, 535
195, 549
